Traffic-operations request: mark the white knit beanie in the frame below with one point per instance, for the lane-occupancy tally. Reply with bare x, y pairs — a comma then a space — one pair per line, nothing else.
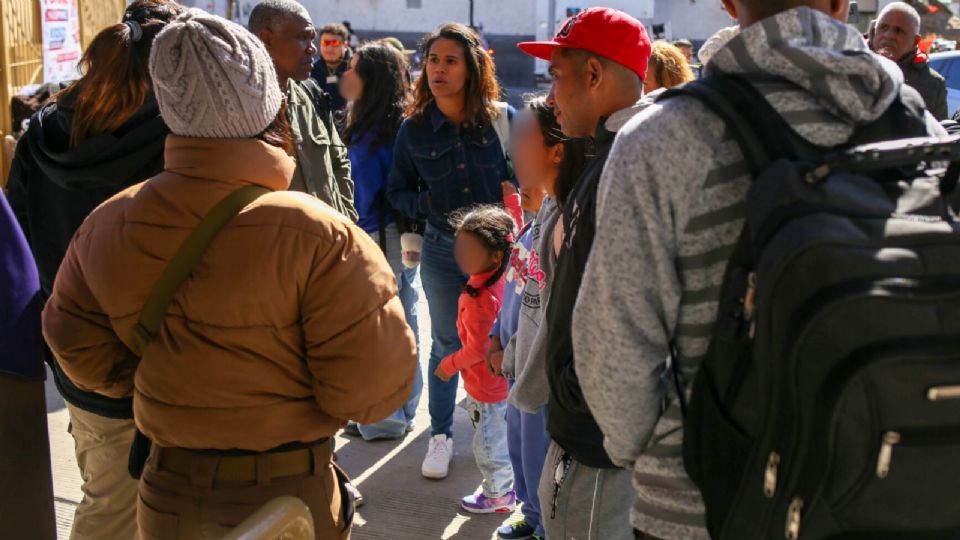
213, 78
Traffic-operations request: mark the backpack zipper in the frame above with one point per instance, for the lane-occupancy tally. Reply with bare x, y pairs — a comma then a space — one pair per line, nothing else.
927, 436
793, 518
942, 393
890, 439
750, 304
770, 475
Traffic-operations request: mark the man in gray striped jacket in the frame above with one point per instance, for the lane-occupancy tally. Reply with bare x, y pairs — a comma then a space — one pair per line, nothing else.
670, 209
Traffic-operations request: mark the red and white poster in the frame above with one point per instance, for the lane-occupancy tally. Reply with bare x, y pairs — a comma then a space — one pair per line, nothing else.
60, 23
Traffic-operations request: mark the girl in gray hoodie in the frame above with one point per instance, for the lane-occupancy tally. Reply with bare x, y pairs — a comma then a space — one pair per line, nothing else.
524, 353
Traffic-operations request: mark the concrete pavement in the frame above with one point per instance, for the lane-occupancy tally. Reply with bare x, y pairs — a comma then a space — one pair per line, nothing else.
399, 503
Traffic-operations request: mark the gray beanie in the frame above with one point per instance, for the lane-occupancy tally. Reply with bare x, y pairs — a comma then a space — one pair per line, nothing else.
213, 78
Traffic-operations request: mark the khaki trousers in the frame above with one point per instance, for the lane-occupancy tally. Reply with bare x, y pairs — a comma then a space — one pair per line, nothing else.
198, 506
109, 505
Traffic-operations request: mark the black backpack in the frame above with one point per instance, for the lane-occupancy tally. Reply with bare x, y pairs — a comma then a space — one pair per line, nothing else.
828, 406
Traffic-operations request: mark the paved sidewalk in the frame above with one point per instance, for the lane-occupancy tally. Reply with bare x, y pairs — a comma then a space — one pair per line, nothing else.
399, 503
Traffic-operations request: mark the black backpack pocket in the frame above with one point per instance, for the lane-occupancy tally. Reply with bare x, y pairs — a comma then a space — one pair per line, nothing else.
907, 454
715, 447
886, 459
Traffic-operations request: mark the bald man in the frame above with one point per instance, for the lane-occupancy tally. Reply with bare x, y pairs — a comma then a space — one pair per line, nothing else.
896, 37
323, 168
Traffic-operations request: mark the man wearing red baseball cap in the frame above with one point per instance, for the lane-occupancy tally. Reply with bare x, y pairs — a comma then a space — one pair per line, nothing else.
597, 61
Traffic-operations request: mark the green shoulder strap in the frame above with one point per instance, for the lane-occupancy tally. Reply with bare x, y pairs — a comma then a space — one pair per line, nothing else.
184, 261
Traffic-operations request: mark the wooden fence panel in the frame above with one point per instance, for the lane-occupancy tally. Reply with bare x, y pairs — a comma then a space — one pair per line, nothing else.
21, 48
21, 51
95, 15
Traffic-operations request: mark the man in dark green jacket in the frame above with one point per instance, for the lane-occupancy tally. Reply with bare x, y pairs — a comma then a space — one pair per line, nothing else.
323, 168
896, 36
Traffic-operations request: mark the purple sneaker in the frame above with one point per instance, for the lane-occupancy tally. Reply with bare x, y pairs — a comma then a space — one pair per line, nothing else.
479, 503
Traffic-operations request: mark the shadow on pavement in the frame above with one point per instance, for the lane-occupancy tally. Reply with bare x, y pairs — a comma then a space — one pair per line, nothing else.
400, 503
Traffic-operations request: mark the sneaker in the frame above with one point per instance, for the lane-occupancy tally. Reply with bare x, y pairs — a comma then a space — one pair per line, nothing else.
436, 464
481, 504
352, 430
516, 531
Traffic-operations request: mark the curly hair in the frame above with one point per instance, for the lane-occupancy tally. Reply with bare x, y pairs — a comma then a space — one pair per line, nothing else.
495, 228
669, 66
482, 89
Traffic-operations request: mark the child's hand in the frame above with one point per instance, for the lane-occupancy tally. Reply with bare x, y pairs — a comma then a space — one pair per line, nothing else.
442, 375
495, 363
495, 349
508, 188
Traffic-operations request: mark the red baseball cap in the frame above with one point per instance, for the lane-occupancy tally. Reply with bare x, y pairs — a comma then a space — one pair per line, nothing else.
607, 32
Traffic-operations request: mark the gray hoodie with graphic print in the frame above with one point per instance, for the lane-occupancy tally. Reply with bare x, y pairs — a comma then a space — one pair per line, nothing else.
525, 357
671, 205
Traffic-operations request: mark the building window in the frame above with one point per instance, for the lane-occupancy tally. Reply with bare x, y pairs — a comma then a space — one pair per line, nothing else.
414, 4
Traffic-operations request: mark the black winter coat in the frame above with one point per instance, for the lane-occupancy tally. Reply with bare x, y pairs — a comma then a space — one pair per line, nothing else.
53, 187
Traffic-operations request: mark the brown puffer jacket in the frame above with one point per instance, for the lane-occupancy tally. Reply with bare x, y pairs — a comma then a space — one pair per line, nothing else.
288, 327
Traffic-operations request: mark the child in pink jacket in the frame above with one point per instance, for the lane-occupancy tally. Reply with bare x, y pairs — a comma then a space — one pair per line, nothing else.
485, 237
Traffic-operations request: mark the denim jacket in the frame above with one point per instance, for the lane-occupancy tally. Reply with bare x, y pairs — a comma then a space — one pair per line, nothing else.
439, 168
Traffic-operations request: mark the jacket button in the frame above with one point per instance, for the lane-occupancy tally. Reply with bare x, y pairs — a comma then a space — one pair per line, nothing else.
466, 190
433, 154
461, 166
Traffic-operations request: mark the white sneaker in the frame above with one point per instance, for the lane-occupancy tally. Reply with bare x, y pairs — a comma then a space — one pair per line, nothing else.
436, 464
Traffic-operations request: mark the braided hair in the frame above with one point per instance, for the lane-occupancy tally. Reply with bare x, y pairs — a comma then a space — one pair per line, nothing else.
495, 228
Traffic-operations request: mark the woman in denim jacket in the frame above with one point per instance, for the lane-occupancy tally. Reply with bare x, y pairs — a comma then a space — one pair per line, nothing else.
447, 157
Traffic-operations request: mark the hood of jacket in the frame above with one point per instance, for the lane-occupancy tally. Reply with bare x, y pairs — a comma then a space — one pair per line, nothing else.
127, 156
615, 122
832, 76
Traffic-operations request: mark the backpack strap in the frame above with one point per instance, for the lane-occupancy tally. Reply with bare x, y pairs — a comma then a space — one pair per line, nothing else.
161, 296
183, 262
321, 102
731, 97
501, 125
763, 137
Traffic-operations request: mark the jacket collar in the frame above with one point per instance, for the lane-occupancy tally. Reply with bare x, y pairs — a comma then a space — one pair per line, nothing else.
913, 58
232, 161
437, 119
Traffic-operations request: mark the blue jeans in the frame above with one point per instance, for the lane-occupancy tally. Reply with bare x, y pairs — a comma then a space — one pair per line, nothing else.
397, 423
442, 283
490, 446
528, 442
